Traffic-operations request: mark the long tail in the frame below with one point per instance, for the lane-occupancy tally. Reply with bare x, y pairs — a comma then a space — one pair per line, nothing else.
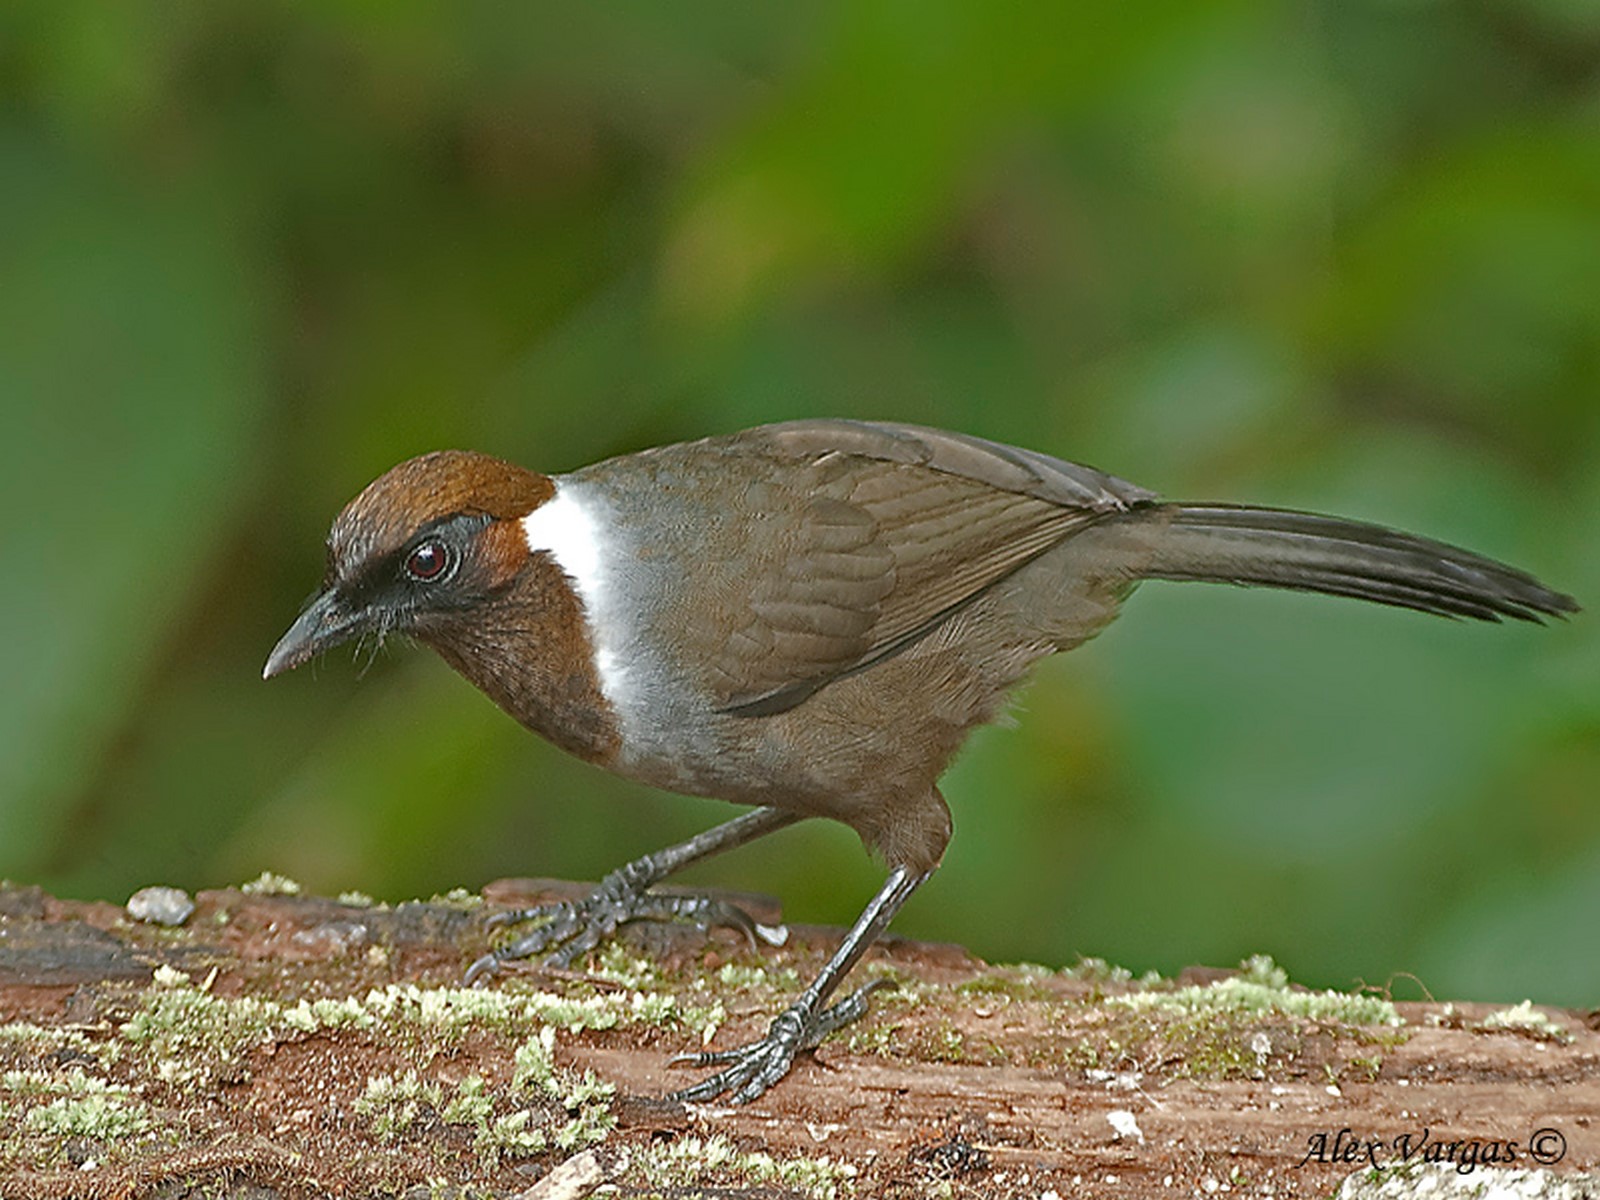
1280, 548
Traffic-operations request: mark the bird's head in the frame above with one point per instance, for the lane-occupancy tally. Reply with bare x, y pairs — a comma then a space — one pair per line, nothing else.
422, 546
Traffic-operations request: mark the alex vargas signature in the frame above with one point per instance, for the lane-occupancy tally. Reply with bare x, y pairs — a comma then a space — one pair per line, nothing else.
1347, 1147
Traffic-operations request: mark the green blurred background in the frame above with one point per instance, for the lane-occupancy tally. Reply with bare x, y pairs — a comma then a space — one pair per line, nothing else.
1341, 255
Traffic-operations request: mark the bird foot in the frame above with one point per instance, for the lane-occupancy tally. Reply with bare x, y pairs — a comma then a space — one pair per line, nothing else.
570, 929
751, 1069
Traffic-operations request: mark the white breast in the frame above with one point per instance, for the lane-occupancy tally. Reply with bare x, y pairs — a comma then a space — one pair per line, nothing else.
571, 528
594, 536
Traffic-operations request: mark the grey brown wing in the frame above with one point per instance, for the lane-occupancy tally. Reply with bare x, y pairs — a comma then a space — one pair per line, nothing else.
876, 535
1002, 467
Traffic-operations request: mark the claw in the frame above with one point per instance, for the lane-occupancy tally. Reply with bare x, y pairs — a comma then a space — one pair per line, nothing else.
516, 916
483, 968
849, 1010
571, 929
705, 911
751, 1069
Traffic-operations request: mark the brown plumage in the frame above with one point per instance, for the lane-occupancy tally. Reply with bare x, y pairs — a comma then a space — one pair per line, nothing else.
808, 618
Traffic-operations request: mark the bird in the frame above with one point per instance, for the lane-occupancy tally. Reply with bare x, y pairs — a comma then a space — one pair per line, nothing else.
807, 618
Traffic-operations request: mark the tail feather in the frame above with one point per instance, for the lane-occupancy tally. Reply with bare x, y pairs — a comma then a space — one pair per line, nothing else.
1304, 551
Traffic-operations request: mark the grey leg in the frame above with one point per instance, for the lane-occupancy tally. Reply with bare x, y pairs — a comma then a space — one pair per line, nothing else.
575, 928
752, 1069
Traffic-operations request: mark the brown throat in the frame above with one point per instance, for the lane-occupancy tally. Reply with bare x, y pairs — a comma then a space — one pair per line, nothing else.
528, 648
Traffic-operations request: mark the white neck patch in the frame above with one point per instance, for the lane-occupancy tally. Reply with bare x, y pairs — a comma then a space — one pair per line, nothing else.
570, 532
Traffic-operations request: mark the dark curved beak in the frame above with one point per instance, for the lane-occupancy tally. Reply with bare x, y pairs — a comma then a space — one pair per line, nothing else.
325, 623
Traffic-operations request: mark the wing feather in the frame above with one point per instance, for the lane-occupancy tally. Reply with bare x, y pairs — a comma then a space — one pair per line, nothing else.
874, 535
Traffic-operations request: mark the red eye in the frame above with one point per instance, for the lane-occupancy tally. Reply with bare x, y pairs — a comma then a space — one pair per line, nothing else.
428, 562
